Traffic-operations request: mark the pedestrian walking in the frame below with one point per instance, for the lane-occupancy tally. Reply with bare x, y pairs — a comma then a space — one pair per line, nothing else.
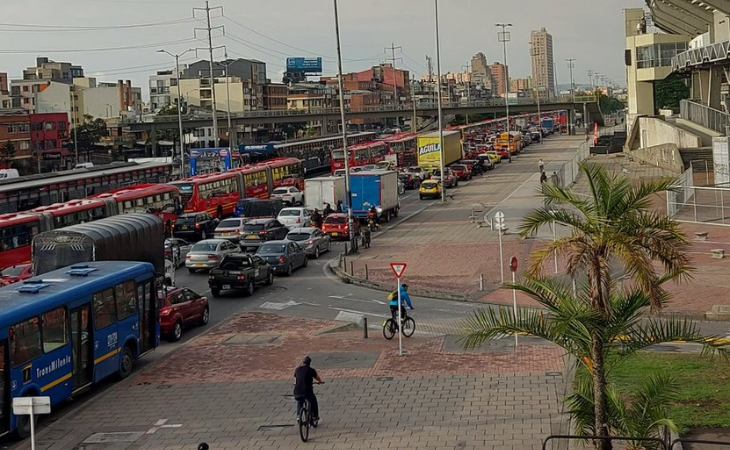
541, 165
543, 178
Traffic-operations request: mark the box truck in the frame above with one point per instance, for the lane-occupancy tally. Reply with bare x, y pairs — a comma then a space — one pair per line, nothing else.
376, 188
321, 190
429, 149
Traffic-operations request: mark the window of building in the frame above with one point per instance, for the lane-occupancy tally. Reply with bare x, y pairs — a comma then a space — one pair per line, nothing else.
61, 126
658, 55
54, 329
25, 88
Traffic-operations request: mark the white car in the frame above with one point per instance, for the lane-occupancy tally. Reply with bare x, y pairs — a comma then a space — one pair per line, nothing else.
295, 217
289, 195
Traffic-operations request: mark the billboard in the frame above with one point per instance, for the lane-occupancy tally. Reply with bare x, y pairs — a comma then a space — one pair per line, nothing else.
308, 65
206, 160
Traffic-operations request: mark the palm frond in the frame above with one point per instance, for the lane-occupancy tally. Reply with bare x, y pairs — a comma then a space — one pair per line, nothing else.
657, 331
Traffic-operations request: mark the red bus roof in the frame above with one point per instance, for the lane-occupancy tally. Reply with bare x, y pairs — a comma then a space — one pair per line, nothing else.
59, 209
200, 179
137, 191
9, 220
363, 145
279, 162
399, 137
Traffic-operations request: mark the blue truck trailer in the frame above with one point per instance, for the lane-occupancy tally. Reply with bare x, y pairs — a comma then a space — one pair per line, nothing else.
376, 188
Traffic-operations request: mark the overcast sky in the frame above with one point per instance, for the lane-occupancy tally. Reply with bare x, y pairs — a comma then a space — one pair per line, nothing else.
270, 30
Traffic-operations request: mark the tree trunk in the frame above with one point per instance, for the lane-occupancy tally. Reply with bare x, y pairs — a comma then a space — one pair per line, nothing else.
599, 393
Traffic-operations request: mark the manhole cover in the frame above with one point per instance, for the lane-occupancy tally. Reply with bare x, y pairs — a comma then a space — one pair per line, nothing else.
274, 427
253, 339
114, 438
344, 360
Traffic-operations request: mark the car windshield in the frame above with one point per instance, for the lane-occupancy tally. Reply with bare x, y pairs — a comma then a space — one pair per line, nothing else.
298, 236
272, 248
229, 223
331, 219
290, 213
253, 227
185, 220
12, 271
204, 247
429, 185
281, 190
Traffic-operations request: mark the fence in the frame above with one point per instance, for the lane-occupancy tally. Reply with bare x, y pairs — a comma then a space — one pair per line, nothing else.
702, 115
569, 171
700, 204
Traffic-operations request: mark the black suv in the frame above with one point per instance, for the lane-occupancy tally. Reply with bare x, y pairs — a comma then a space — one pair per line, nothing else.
240, 271
197, 225
258, 231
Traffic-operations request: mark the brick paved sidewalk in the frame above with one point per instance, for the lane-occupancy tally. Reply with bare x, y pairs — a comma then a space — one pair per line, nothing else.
238, 395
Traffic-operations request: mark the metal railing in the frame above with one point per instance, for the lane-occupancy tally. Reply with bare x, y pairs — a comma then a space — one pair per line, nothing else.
569, 171
711, 118
695, 57
407, 109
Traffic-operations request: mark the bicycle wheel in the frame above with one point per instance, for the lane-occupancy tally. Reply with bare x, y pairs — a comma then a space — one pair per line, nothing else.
304, 423
409, 327
389, 329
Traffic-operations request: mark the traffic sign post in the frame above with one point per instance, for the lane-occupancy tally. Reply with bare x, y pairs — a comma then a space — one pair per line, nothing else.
499, 219
513, 268
30, 406
398, 269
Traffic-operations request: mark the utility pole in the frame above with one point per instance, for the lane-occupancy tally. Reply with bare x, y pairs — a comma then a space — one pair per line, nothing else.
414, 123
231, 138
392, 60
555, 73
429, 62
179, 107
572, 86
209, 30
74, 123
504, 37
442, 165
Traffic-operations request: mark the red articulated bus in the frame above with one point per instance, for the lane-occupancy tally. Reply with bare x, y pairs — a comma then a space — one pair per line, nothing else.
360, 155
162, 200
404, 146
218, 193
17, 229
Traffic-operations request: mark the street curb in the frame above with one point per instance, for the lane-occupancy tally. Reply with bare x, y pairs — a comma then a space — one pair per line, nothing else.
387, 287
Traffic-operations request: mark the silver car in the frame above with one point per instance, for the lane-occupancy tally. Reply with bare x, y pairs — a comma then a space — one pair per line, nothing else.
208, 253
231, 229
313, 240
176, 249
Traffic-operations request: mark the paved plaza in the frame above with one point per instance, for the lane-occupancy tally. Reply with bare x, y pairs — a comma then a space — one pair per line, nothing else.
232, 389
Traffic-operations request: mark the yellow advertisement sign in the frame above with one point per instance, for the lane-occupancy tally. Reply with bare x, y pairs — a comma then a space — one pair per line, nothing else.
429, 149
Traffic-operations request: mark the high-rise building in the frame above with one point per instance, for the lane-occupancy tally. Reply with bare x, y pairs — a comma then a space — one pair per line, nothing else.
543, 67
480, 74
48, 70
163, 89
499, 74
250, 72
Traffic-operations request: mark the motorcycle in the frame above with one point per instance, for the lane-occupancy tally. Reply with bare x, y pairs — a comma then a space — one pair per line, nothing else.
373, 221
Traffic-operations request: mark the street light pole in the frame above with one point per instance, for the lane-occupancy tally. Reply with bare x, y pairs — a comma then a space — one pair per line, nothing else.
348, 193
74, 123
504, 37
572, 85
468, 89
440, 104
179, 107
231, 138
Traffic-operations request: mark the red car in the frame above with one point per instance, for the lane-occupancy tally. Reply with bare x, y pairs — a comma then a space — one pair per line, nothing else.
336, 226
181, 308
13, 274
461, 171
503, 153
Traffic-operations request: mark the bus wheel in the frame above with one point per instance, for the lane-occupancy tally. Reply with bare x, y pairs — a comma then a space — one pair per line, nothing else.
126, 363
22, 430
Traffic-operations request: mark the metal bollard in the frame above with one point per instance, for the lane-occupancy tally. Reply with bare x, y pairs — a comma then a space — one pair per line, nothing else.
365, 327
344, 264
367, 277
481, 282
347, 252
352, 268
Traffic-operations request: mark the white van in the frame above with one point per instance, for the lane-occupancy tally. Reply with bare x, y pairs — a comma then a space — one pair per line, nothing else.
86, 165
8, 173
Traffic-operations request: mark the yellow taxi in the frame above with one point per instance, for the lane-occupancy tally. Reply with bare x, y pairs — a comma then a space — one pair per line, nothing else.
494, 156
386, 165
430, 189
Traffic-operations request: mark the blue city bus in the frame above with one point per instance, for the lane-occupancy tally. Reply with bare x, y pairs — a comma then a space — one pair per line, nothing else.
71, 328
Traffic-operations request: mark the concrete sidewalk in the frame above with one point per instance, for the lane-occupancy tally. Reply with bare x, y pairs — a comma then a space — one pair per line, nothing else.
232, 389
446, 250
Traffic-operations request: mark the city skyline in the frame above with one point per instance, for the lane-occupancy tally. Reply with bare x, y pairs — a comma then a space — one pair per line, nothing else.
84, 25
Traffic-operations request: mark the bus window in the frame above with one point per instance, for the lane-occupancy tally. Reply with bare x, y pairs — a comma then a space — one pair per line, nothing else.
54, 329
26, 341
105, 312
126, 300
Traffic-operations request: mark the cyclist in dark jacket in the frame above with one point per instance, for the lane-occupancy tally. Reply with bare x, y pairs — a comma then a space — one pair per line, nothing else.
304, 377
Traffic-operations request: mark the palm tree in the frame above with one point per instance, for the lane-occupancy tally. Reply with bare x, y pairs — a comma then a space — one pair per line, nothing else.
569, 320
612, 228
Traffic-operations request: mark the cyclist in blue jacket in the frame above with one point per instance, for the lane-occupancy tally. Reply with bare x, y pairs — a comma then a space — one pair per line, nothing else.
405, 300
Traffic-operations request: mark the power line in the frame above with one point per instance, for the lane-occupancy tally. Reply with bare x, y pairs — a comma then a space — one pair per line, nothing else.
38, 28
107, 49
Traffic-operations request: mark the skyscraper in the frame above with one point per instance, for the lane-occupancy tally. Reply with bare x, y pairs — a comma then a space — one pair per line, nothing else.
499, 75
543, 73
480, 71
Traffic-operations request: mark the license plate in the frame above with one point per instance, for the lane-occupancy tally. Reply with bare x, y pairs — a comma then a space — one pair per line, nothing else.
335, 234
183, 227
252, 236
199, 265
227, 234
226, 286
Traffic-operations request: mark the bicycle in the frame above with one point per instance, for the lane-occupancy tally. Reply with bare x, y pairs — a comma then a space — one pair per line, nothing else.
390, 327
304, 419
